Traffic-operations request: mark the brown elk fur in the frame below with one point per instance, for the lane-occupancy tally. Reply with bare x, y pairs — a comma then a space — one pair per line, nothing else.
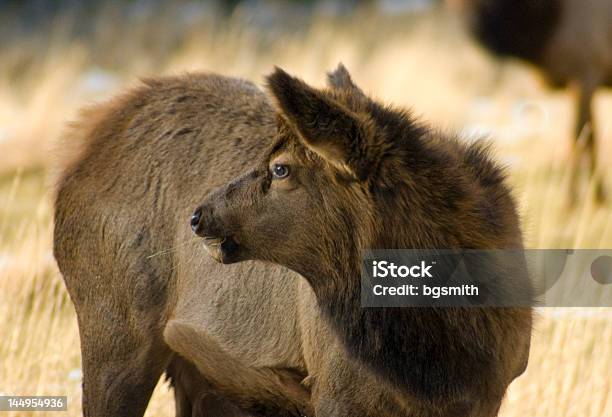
569, 40
255, 337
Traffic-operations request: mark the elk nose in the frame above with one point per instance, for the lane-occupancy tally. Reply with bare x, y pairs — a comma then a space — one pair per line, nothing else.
196, 218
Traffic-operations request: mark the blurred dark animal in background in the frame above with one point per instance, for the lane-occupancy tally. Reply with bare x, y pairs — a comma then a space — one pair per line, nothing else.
569, 40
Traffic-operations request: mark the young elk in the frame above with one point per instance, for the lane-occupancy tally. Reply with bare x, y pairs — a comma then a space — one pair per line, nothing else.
278, 330
569, 40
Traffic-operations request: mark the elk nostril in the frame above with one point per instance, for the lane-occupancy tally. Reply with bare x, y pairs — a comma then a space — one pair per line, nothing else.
195, 219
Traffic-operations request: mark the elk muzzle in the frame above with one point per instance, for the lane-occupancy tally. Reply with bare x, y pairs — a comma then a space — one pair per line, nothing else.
219, 243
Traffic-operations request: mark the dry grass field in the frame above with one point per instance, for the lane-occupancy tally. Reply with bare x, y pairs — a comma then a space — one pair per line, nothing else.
422, 61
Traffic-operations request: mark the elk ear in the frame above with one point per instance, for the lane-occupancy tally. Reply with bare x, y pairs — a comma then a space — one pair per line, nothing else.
323, 124
341, 79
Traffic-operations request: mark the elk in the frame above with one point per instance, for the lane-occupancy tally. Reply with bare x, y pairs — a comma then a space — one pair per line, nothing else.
259, 314
570, 41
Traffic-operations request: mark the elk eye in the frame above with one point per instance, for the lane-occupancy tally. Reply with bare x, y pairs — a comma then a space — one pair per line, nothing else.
280, 171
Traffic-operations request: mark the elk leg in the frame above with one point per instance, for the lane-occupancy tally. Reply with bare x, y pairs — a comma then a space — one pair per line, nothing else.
600, 195
183, 401
193, 395
121, 363
333, 399
585, 146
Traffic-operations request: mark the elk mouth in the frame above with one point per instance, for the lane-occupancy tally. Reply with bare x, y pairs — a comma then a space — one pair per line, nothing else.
222, 249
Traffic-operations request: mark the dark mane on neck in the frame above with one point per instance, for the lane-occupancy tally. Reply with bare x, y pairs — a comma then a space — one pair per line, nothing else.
445, 357
441, 357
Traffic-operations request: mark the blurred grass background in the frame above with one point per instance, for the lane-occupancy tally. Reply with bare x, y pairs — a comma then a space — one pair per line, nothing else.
56, 56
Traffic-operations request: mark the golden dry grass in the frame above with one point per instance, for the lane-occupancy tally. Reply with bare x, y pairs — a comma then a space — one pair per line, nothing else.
422, 62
